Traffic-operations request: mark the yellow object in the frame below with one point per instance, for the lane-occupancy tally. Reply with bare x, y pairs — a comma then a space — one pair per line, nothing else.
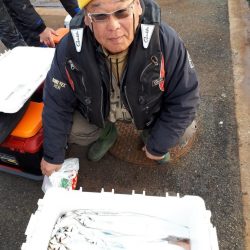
31, 122
83, 3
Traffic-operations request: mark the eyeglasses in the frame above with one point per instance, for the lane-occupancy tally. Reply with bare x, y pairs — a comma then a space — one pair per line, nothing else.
119, 14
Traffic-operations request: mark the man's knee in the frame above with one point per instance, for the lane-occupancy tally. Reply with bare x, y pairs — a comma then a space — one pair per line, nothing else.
83, 133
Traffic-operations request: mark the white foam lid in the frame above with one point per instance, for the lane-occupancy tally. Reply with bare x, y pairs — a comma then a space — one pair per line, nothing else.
22, 70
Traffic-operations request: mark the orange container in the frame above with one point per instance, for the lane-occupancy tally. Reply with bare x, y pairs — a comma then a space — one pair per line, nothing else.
61, 32
31, 122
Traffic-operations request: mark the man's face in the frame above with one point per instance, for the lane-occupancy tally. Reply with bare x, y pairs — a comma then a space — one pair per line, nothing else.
115, 32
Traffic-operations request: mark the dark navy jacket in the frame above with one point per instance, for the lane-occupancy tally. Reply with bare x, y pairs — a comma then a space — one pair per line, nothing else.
172, 111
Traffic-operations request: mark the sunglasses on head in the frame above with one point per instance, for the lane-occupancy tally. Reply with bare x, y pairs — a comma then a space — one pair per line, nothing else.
119, 14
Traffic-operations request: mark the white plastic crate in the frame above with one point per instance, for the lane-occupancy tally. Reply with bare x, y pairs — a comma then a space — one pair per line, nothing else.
188, 212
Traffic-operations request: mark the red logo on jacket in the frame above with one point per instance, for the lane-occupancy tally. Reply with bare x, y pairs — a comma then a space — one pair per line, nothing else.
70, 80
162, 74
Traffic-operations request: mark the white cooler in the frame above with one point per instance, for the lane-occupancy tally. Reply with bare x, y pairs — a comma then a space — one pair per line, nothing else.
187, 214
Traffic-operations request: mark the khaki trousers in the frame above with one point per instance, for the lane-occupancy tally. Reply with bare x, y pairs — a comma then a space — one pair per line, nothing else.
83, 133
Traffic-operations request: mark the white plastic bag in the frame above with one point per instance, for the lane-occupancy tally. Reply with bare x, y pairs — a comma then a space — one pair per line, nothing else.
66, 177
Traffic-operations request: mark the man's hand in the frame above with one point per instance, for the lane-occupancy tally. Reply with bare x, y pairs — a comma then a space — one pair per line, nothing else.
49, 168
152, 157
46, 37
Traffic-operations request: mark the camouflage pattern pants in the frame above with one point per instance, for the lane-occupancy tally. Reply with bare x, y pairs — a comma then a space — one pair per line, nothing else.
9, 35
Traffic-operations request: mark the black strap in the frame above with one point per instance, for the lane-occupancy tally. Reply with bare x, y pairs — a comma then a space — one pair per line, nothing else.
9, 121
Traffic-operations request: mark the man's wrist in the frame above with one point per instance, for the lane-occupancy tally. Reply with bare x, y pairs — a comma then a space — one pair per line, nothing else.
41, 28
52, 160
154, 152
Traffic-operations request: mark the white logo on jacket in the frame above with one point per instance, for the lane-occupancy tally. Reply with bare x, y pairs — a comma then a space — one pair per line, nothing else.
77, 36
58, 84
146, 32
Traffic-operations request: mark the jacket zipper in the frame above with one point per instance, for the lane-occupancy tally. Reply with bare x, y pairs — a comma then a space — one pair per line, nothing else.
154, 60
82, 80
126, 96
151, 102
102, 106
74, 68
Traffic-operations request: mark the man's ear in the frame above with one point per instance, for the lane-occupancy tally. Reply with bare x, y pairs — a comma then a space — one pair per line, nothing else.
87, 21
137, 2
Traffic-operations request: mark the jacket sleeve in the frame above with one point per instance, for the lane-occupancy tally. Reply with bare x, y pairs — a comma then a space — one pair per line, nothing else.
71, 6
26, 14
59, 105
181, 96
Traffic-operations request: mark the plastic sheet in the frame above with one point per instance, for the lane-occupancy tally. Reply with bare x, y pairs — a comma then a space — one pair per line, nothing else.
66, 177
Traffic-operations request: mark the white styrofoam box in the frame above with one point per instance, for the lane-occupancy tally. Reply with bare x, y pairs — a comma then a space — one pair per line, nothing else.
22, 70
188, 212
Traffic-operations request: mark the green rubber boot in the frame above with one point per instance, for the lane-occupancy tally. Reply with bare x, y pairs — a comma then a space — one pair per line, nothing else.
100, 147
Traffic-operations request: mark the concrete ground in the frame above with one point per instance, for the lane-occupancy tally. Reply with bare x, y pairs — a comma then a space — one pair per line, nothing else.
240, 43
211, 170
